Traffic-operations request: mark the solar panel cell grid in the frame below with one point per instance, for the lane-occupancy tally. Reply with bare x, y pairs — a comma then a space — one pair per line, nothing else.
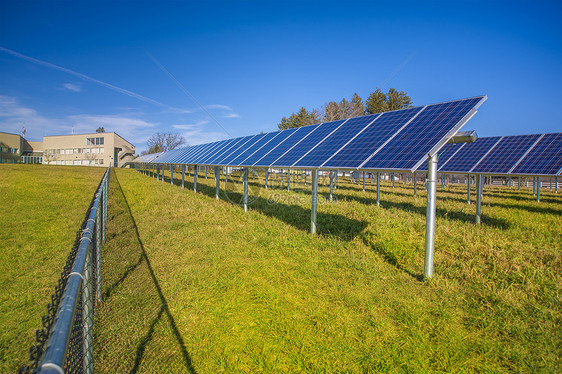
413, 143
544, 159
469, 155
265, 139
504, 155
371, 139
220, 146
240, 147
225, 151
291, 138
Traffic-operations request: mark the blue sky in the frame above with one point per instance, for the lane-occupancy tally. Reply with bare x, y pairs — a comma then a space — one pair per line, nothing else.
68, 66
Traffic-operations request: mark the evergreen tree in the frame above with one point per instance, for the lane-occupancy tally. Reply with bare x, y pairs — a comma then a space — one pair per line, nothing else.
331, 111
358, 108
301, 118
376, 102
397, 100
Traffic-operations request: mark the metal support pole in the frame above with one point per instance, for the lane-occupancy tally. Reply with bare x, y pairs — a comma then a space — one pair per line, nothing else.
468, 189
305, 175
288, 179
171, 174
195, 171
162, 168
378, 188
555, 184
415, 184
183, 176
336, 181
478, 197
314, 201
519, 183
363, 181
266, 177
392, 177
331, 186
218, 179
246, 189
538, 189
430, 216
534, 185
157, 172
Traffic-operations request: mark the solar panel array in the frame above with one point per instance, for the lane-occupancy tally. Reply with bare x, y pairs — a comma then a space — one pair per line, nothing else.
396, 140
538, 154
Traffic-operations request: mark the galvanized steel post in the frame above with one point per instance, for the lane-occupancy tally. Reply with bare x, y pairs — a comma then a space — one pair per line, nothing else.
378, 188
363, 181
217, 178
266, 177
183, 176
245, 189
288, 179
415, 184
468, 188
331, 185
195, 170
478, 197
314, 201
430, 216
538, 189
171, 174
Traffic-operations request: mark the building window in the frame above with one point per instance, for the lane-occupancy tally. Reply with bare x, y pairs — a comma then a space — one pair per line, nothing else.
94, 141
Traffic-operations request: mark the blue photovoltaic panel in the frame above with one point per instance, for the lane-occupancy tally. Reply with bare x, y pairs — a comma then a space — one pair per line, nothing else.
544, 159
371, 139
225, 151
447, 153
209, 150
242, 149
469, 155
320, 133
302, 136
281, 136
219, 148
291, 138
420, 136
506, 154
261, 142
173, 155
234, 151
334, 141
193, 157
184, 158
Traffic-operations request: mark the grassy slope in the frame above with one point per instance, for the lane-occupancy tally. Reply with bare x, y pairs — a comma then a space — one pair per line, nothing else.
41, 208
194, 284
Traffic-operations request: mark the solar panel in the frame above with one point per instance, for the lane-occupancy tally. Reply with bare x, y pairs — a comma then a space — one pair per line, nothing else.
505, 154
220, 147
234, 151
283, 142
469, 155
426, 133
232, 145
356, 152
265, 139
544, 159
388, 141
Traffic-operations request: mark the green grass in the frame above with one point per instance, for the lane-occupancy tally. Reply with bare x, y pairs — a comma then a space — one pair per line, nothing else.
41, 209
192, 284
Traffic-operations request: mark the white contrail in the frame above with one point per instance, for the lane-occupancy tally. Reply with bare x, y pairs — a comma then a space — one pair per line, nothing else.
399, 68
90, 79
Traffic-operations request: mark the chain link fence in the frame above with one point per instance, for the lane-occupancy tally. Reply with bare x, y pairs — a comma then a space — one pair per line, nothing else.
65, 342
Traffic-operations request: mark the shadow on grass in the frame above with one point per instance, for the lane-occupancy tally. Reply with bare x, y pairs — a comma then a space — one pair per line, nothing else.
283, 207
164, 309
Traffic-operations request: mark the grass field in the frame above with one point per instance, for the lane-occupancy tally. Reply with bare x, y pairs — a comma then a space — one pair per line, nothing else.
196, 285
41, 209
192, 284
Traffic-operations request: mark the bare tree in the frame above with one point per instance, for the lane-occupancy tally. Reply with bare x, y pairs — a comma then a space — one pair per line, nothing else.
162, 142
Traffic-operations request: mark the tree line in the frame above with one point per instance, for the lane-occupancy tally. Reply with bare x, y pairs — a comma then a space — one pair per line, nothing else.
376, 102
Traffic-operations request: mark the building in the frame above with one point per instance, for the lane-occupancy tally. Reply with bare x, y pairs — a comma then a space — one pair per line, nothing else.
15, 148
97, 149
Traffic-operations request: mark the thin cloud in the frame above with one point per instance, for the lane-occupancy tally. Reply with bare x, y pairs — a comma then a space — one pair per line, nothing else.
72, 87
232, 115
190, 126
93, 80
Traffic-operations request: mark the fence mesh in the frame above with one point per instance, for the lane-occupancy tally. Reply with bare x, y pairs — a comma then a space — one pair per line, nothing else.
75, 353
